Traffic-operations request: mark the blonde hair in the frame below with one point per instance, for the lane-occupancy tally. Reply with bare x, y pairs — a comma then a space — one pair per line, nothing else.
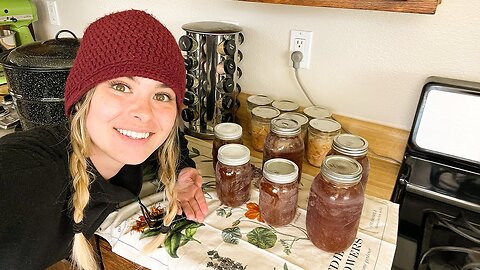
83, 256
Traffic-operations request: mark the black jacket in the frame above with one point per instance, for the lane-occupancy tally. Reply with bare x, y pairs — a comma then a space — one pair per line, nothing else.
35, 189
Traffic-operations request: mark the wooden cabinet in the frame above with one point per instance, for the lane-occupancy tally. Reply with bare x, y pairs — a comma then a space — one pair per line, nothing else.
409, 6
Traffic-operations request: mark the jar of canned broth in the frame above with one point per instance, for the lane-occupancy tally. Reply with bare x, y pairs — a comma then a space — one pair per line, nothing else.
233, 174
225, 133
355, 147
261, 117
335, 204
278, 188
283, 141
320, 137
301, 119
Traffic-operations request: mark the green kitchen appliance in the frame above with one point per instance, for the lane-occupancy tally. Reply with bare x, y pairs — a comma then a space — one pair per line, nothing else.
17, 15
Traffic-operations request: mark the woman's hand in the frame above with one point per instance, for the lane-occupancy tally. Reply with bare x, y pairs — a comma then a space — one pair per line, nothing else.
190, 194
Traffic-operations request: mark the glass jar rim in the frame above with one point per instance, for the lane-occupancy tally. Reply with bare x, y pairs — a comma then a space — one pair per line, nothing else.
265, 112
350, 144
341, 169
325, 125
280, 170
228, 131
233, 154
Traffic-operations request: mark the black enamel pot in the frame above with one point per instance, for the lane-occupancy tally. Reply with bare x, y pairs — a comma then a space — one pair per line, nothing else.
36, 74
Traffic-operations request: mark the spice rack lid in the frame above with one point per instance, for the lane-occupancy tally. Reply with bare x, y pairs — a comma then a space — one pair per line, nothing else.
266, 112
284, 126
212, 27
341, 170
233, 154
285, 105
350, 144
300, 118
317, 112
228, 131
325, 125
280, 170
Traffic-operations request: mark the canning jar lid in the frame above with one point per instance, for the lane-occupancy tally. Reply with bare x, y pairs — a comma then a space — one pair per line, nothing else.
233, 154
280, 170
325, 125
285, 105
228, 131
301, 119
317, 112
258, 100
350, 144
265, 112
341, 170
284, 126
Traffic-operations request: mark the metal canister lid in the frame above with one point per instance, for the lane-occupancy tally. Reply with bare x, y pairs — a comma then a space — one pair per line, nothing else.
325, 125
233, 154
228, 131
341, 170
280, 170
317, 112
285, 105
284, 126
351, 145
258, 100
266, 112
301, 119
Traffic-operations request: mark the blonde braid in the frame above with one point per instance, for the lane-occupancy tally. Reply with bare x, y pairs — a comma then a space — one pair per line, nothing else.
82, 253
167, 174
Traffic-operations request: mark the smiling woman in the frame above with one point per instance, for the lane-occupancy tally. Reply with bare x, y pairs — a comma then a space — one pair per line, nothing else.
122, 98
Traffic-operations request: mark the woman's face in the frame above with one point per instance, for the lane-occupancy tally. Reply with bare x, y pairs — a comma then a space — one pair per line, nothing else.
128, 119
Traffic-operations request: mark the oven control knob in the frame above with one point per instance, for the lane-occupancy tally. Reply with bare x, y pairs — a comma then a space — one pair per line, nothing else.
227, 103
190, 63
190, 98
227, 47
187, 43
188, 115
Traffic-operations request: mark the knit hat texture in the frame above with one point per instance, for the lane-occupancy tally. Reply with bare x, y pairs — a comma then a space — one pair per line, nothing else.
127, 43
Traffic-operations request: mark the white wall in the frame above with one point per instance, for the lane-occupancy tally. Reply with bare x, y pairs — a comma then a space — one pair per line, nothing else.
369, 65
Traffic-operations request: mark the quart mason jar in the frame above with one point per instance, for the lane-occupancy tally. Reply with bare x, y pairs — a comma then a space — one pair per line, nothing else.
301, 119
261, 117
284, 141
255, 101
320, 137
233, 174
278, 189
335, 204
355, 147
225, 133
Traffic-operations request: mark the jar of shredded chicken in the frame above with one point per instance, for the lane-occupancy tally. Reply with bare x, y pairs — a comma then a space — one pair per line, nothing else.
320, 137
261, 117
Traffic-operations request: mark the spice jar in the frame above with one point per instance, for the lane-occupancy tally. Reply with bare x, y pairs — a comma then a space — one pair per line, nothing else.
278, 191
317, 112
225, 133
261, 117
285, 106
335, 204
301, 119
320, 137
283, 141
233, 174
255, 101
355, 147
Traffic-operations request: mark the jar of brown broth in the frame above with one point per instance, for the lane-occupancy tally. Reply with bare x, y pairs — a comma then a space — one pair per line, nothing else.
278, 188
284, 141
261, 117
301, 119
335, 204
233, 174
320, 138
355, 147
225, 133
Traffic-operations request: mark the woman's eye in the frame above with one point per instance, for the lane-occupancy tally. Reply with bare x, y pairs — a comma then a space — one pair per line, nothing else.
120, 87
162, 97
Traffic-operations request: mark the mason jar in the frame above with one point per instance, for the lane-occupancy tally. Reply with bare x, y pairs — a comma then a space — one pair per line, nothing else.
320, 137
261, 117
283, 141
278, 191
335, 204
285, 106
255, 101
225, 133
233, 174
302, 120
355, 147
317, 112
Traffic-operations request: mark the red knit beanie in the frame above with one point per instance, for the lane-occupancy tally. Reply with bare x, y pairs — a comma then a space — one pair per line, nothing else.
122, 44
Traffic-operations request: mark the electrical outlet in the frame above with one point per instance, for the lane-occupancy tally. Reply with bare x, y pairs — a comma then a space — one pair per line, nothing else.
53, 12
301, 41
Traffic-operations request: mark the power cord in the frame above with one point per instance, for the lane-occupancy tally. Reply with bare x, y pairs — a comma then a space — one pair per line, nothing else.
297, 57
